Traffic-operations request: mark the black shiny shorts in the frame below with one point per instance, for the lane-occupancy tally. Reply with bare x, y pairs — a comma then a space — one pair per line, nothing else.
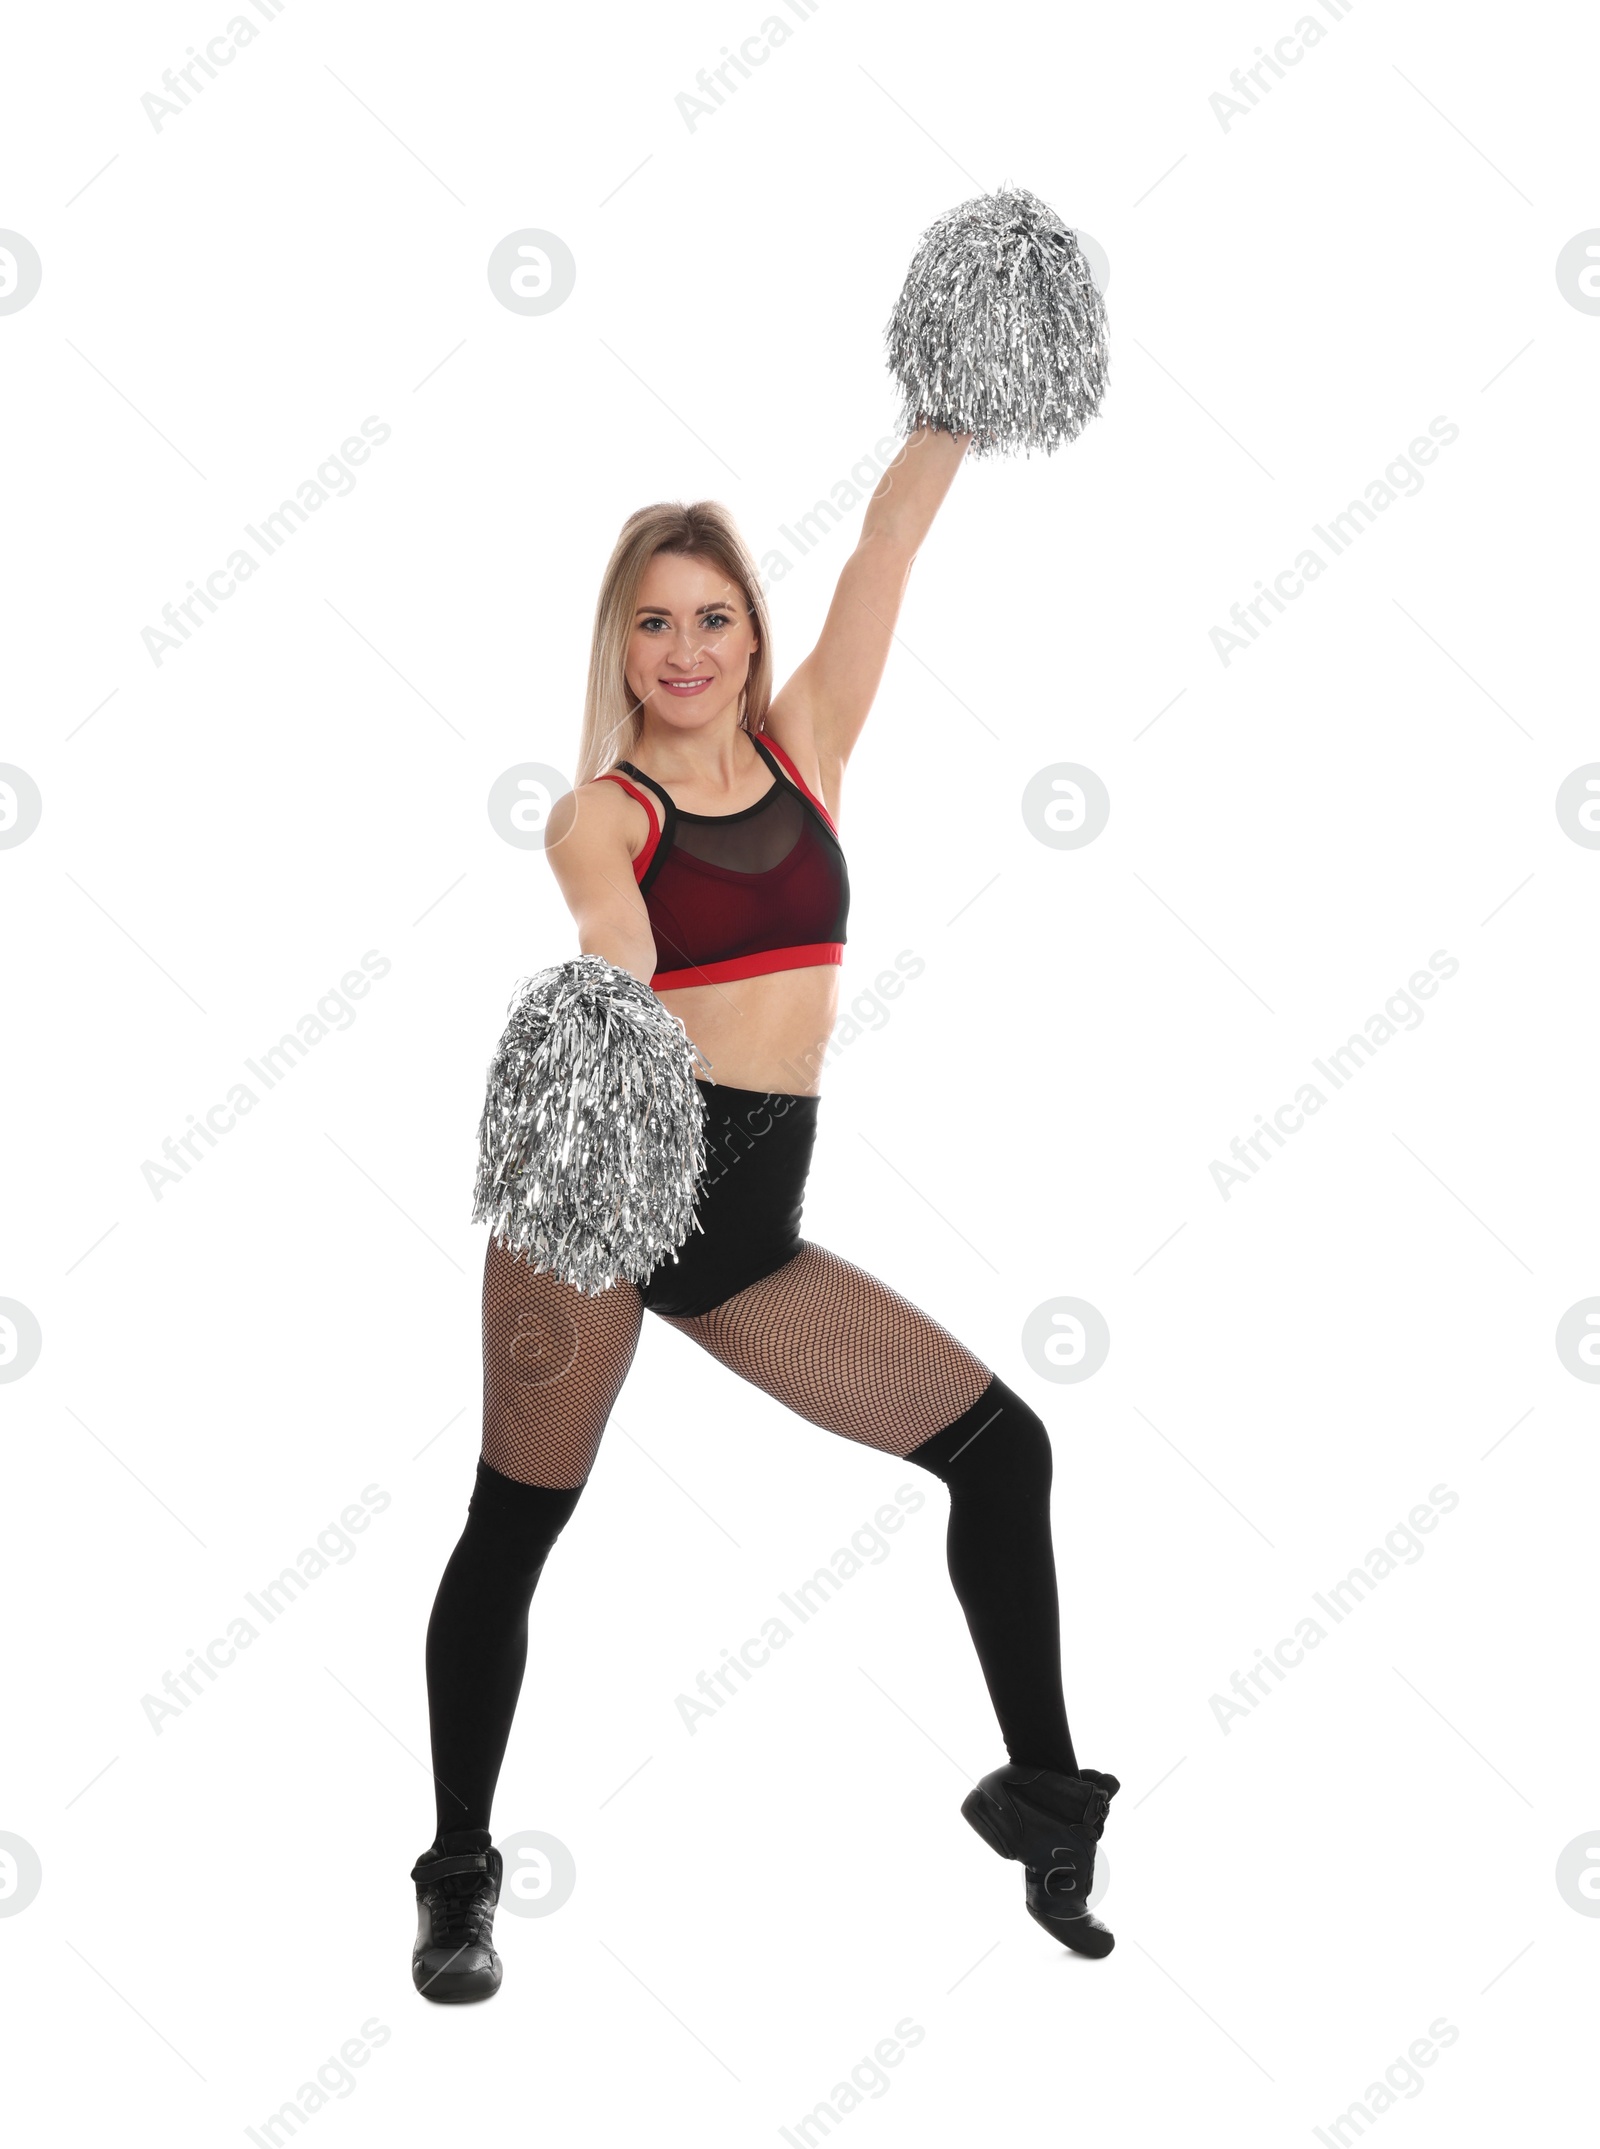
758, 1152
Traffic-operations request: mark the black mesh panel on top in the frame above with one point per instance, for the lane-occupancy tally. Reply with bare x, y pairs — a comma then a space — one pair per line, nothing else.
750, 842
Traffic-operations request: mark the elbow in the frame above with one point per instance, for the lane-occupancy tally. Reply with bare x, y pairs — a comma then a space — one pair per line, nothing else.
887, 537
630, 951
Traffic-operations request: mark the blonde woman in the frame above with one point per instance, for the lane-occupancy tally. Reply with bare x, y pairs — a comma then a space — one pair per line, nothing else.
700, 850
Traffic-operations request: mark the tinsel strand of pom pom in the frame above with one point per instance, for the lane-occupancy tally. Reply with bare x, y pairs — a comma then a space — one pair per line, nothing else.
591, 1143
999, 331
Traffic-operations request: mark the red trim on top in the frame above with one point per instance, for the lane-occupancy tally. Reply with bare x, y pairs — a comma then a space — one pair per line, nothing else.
741, 966
641, 863
800, 782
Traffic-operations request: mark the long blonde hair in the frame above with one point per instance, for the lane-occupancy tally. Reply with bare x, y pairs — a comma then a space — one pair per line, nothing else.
703, 529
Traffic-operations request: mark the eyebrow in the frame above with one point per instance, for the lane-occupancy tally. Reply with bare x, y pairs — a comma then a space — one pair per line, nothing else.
716, 604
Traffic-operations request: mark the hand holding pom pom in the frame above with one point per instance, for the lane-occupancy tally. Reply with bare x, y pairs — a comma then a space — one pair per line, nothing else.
999, 331
592, 1140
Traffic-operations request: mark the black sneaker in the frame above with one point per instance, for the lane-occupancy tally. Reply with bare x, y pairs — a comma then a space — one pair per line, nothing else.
454, 1957
1051, 1824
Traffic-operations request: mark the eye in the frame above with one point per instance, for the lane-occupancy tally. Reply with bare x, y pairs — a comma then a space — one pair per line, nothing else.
715, 620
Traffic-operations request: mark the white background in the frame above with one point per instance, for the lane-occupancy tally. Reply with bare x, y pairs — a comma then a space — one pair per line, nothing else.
1291, 300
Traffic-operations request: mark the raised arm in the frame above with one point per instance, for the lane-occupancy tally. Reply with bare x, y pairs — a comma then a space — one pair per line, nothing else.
820, 712
591, 841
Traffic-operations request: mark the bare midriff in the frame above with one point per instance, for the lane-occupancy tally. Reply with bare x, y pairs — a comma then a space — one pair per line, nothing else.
765, 1033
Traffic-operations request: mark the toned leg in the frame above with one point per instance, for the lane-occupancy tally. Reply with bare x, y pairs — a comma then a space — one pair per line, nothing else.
850, 1354
553, 1363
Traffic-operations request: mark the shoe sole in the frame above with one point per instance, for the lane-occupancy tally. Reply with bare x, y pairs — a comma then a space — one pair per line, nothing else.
441, 1992
1081, 1935
454, 1987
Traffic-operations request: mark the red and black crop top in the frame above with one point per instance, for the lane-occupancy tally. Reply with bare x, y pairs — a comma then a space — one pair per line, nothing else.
735, 895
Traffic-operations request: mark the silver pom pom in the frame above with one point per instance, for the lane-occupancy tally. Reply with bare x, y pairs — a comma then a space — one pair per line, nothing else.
592, 1140
999, 331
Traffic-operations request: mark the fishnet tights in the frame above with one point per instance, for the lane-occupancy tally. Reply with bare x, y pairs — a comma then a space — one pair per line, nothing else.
844, 1350
824, 1337
553, 1363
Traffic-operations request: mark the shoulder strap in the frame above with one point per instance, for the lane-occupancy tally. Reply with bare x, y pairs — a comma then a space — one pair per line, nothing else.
668, 809
641, 864
769, 746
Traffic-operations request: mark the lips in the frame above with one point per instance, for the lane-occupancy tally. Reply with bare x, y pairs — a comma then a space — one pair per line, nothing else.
683, 688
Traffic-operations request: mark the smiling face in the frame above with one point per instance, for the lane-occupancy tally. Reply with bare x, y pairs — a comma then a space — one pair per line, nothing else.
692, 640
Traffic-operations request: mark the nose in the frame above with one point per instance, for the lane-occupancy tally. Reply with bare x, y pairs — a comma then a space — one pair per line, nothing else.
686, 652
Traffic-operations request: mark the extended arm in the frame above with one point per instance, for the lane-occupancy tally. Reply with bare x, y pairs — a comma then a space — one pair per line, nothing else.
824, 705
586, 843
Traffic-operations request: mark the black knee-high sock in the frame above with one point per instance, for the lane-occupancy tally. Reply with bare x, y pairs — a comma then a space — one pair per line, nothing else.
996, 1460
478, 1641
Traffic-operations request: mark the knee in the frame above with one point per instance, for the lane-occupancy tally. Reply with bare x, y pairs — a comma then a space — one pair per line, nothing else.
1001, 1444
514, 1522
1021, 1455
